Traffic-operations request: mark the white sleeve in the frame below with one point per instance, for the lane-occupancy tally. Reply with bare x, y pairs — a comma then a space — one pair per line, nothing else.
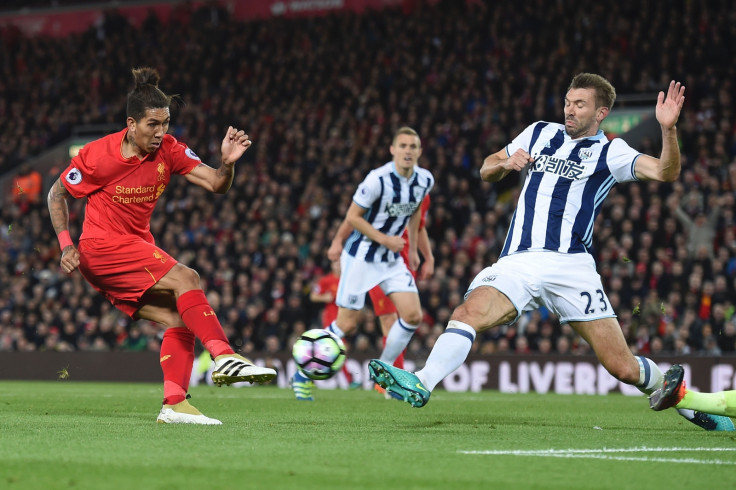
522, 140
368, 191
621, 160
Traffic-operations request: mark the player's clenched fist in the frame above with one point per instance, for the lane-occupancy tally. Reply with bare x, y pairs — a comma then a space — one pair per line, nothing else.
518, 160
69, 259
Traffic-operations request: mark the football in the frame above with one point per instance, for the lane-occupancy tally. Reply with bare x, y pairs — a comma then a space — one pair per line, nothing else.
319, 353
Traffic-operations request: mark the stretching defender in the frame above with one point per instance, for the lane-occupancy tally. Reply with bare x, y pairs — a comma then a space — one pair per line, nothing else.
545, 259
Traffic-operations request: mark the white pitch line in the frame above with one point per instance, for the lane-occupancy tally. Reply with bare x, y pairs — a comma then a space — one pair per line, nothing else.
607, 453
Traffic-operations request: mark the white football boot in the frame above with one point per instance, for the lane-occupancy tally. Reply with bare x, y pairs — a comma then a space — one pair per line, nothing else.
184, 413
233, 368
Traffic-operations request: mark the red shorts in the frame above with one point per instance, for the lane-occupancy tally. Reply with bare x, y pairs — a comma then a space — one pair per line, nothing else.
382, 305
123, 269
329, 314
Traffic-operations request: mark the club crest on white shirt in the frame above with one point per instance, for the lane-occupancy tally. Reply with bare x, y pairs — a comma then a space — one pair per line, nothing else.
585, 153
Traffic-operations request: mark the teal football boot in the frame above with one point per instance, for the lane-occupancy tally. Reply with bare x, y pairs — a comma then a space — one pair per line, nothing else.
400, 384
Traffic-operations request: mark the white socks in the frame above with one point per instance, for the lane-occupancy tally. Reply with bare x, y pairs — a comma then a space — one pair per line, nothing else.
650, 376
448, 353
397, 340
332, 327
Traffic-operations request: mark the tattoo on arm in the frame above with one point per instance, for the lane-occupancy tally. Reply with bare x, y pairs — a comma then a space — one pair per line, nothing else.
58, 208
224, 175
226, 171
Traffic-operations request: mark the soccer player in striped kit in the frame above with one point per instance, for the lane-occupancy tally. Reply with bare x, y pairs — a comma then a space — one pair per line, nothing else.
383, 308
384, 205
545, 259
122, 175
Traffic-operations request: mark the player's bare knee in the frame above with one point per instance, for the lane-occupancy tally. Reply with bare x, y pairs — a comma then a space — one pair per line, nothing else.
412, 318
347, 323
163, 315
348, 327
189, 279
170, 319
471, 314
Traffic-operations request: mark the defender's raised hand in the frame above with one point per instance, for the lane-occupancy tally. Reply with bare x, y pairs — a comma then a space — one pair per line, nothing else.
670, 105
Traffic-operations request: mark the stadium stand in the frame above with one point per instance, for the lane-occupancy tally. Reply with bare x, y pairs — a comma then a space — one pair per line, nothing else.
320, 97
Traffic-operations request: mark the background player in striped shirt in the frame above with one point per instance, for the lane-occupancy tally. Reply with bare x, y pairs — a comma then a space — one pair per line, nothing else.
122, 175
383, 307
384, 205
545, 259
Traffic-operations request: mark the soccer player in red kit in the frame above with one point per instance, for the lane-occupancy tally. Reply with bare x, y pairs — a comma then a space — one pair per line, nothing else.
325, 291
122, 175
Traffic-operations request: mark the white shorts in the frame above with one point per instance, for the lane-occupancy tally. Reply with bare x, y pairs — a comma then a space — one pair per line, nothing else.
358, 277
567, 284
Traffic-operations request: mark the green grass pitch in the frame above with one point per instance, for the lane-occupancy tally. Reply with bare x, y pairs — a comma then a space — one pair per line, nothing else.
79, 435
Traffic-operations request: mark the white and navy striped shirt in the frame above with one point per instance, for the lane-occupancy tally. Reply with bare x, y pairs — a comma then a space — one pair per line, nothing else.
565, 187
389, 200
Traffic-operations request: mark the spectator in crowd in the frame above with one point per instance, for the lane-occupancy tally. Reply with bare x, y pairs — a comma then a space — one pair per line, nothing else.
700, 229
27, 186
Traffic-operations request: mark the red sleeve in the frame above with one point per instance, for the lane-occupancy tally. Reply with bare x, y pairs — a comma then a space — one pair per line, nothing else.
321, 285
182, 158
423, 210
79, 177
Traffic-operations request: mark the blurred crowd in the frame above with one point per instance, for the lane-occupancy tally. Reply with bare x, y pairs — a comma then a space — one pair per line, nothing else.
321, 98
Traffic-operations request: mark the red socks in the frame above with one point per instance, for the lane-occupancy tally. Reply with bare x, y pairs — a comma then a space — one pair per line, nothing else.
347, 374
177, 358
199, 317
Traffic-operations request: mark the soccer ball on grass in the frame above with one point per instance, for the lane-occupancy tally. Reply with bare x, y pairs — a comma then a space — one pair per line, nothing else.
318, 353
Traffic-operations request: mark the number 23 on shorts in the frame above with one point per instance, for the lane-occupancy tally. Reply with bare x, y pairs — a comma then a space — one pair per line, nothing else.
597, 298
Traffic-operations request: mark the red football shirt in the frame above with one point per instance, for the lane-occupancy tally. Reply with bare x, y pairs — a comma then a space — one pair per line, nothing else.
325, 284
122, 192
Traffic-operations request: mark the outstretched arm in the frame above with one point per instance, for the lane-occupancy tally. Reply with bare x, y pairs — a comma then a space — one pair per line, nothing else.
59, 213
666, 168
219, 180
324, 297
